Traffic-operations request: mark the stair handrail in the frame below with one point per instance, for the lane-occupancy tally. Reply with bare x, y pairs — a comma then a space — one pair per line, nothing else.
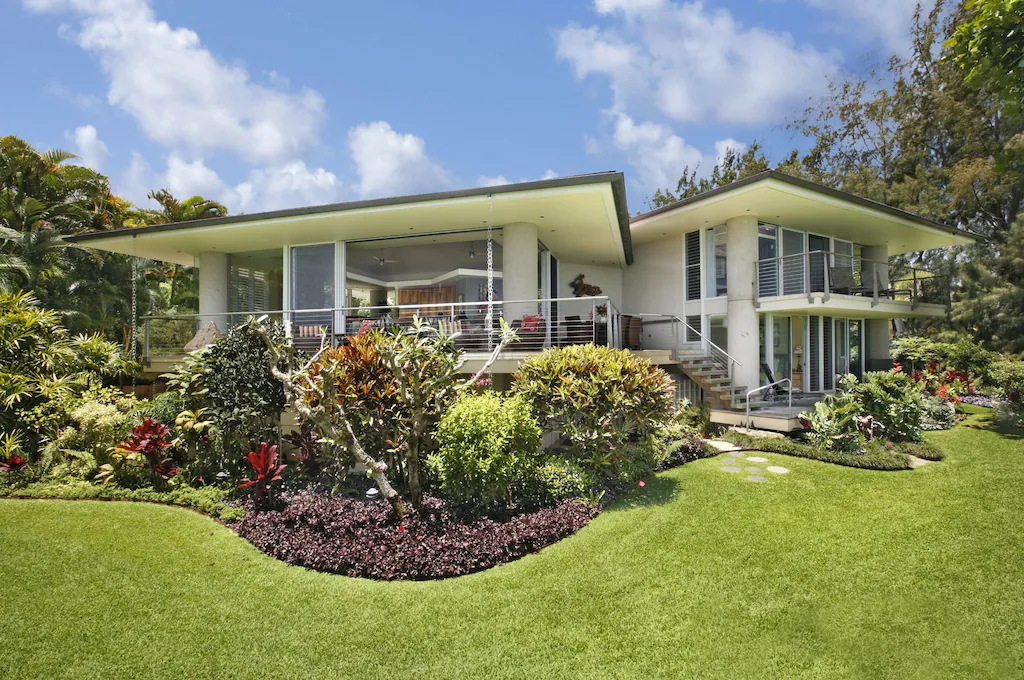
714, 350
764, 387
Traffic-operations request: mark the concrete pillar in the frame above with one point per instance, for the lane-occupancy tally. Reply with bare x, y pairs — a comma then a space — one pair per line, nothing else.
744, 343
877, 333
213, 289
519, 268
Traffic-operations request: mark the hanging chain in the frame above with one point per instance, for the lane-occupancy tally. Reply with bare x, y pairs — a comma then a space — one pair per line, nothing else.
490, 272
134, 332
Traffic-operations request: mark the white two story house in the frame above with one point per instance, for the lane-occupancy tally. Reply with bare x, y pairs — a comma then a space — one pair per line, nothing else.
771, 280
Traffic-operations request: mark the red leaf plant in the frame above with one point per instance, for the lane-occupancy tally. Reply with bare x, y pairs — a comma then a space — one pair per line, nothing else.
13, 463
151, 440
267, 471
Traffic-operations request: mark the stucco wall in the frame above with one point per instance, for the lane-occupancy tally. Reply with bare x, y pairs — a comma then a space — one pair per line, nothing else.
653, 284
608, 279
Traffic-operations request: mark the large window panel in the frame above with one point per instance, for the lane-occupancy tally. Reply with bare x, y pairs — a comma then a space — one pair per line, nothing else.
312, 274
718, 284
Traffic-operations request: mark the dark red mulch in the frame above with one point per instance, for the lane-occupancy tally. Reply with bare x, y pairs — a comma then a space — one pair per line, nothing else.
360, 538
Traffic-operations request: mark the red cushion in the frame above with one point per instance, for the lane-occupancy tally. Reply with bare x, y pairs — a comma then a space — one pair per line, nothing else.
531, 323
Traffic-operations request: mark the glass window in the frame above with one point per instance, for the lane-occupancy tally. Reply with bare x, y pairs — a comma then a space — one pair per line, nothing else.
312, 274
718, 327
717, 281
768, 265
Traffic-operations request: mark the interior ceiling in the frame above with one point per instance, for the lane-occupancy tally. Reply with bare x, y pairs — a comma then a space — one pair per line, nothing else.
575, 222
423, 260
788, 206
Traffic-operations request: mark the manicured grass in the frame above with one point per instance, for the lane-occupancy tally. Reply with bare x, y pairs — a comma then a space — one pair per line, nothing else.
825, 572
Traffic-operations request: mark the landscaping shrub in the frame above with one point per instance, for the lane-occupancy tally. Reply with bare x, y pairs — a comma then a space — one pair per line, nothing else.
894, 401
145, 449
938, 414
488, 447
681, 439
364, 538
98, 421
265, 471
834, 422
164, 407
608, 405
1007, 380
230, 383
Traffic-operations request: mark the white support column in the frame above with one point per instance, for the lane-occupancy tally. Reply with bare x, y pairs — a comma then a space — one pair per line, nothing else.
213, 289
519, 268
744, 343
340, 283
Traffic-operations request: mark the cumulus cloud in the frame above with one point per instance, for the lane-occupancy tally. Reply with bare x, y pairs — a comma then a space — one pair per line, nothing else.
287, 186
694, 64
655, 152
88, 146
180, 94
887, 21
723, 145
390, 163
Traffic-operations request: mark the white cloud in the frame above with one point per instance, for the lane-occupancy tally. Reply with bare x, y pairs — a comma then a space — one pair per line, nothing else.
655, 152
496, 181
695, 64
89, 147
287, 186
723, 145
392, 164
887, 21
181, 95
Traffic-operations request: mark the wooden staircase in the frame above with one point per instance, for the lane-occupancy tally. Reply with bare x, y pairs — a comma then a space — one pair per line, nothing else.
712, 375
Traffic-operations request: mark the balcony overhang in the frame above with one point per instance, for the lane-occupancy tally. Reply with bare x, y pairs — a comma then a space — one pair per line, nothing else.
776, 198
857, 306
583, 218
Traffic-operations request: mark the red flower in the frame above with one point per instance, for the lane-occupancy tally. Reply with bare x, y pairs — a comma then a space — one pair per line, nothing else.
13, 463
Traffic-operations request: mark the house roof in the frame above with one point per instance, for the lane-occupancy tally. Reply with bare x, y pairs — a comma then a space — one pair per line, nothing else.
778, 198
569, 204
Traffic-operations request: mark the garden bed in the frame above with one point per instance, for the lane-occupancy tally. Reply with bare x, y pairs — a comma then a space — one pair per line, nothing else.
876, 456
364, 538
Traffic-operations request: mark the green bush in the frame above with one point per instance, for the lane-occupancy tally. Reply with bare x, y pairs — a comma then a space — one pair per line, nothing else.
164, 407
1007, 380
608, 405
487, 449
938, 414
894, 401
877, 455
834, 425
101, 420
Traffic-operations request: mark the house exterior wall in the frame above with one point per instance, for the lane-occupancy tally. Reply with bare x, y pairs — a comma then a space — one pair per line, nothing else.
213, 289
654, 285
608, 279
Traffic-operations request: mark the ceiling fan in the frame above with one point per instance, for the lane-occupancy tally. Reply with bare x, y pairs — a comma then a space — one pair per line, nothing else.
383, 261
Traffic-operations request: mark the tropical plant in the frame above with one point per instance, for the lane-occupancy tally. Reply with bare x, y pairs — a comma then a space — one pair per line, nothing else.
488, 449
11, 459
1007, 378
265, 470
834, 422
605, 403
147, 447
893, 399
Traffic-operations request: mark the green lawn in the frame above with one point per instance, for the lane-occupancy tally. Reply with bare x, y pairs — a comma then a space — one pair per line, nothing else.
825, 572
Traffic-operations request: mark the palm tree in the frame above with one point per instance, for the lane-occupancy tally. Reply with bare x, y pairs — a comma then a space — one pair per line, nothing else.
31, 243
172, 210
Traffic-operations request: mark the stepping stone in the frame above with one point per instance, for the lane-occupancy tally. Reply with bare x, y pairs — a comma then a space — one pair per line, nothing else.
777, 470
730, 468
723, 446
752, 469
757, 459
756, 478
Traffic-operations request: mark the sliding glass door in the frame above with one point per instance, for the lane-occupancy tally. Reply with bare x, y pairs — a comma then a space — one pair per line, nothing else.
312, 281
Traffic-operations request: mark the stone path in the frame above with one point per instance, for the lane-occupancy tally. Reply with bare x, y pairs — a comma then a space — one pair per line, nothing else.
734, 459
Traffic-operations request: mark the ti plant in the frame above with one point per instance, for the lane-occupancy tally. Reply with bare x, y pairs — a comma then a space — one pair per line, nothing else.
265, 470
11, 460
147, 446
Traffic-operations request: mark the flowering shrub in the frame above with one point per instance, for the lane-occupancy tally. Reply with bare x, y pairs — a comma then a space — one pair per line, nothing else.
265, 469
893, 399
365, 539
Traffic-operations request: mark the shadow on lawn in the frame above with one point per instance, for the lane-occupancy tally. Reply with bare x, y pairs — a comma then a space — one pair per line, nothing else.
985, 419
656, 491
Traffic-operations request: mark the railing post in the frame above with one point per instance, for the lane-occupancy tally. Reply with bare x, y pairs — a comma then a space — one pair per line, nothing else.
913, 288
826, 262
807, 277
609, 341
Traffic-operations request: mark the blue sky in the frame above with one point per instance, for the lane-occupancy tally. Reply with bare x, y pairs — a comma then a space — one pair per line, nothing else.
263, 104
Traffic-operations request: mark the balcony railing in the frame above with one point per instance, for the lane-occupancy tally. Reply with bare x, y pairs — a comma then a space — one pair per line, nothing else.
549, 322
827, 274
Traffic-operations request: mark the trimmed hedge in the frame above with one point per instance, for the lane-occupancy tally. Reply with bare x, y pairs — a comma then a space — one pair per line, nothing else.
364, 539
209, 500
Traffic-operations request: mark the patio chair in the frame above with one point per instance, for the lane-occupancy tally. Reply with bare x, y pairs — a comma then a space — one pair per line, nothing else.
779, 389
842, 280
634, 337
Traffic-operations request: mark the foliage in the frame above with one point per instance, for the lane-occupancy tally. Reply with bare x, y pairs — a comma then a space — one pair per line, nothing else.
98, 421
12, 460
876, 455
146, 447
734, 166
308, 448
210, 500
488, 445
164, 407
607, 404
365, 539
42, 365
938, 414
231, 384
834, 423
989, 45
681, 439
1007, 378
368, 392
893, 400
265, 470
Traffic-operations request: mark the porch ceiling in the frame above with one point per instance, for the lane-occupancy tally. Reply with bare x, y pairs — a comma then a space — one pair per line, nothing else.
583, 218
790, 202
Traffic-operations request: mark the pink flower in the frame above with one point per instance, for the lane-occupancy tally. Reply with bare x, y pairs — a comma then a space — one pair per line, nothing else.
642, 483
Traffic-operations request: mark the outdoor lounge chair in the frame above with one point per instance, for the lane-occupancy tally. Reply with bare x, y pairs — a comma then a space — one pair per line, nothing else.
779, 389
